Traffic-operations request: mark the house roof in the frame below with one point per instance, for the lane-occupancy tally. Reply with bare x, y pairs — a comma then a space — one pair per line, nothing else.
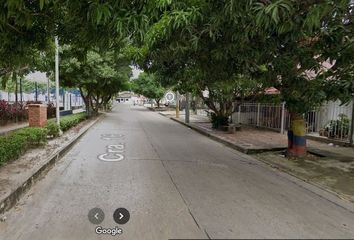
125, 95
271, 90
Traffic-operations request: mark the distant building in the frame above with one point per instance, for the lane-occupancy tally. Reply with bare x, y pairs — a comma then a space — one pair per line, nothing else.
130, 98
124, 97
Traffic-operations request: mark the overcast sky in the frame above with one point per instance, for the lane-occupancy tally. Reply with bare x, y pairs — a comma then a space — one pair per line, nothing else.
42, 78
37, 77
136, 72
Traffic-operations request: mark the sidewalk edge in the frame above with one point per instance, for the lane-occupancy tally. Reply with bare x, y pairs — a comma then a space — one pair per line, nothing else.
225, 142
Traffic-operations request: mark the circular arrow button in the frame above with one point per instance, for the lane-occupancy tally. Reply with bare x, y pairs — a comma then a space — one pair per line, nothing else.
121, 216
96, 216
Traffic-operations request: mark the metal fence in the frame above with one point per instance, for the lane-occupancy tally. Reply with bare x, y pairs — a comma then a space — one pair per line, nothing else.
67, 100
261, 115
332, 120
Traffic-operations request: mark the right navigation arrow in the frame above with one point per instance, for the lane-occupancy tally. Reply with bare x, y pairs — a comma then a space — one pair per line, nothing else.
121, 216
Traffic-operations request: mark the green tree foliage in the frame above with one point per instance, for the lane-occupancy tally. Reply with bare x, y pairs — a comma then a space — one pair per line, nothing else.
195, 45
99, 76
303, 48
219, 96
309, 57
25, 28
149, 86
310, 48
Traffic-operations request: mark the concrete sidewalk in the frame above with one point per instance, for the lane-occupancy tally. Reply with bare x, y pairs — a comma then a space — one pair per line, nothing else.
12, 127
255, 140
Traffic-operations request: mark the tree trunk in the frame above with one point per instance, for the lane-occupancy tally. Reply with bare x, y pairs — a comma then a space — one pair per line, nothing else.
296, 136
16, 90
106, 101
158, 102
95, 106
86, 101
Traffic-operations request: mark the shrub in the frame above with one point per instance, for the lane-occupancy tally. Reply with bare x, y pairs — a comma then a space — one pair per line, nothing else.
68, 122
52, 128
18, 142
4, 108
218, 121
34, 136
11, 112
338, 128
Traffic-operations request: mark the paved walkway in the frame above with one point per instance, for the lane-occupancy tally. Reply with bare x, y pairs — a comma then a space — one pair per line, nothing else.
258, 140
12, 127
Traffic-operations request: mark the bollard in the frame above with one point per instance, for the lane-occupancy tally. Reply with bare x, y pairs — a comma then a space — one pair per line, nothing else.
37, 115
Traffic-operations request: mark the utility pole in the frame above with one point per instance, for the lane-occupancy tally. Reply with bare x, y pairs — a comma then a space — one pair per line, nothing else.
48, 91
187, 108
177, 105
57, 80
36, 88
282, 123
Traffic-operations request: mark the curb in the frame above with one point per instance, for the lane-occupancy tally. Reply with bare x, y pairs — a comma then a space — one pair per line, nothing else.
225, 142
9, 201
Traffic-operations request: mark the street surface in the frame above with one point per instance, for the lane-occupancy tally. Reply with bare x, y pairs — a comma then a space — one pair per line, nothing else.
175, 183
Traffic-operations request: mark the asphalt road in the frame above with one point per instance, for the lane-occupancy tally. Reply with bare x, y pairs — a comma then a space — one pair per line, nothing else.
176, 183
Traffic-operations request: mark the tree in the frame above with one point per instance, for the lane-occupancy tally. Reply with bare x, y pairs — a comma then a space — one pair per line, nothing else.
309, 57
285, 44
25, 28
219, 96
98, 76
303, 48
149, 86
196, 46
